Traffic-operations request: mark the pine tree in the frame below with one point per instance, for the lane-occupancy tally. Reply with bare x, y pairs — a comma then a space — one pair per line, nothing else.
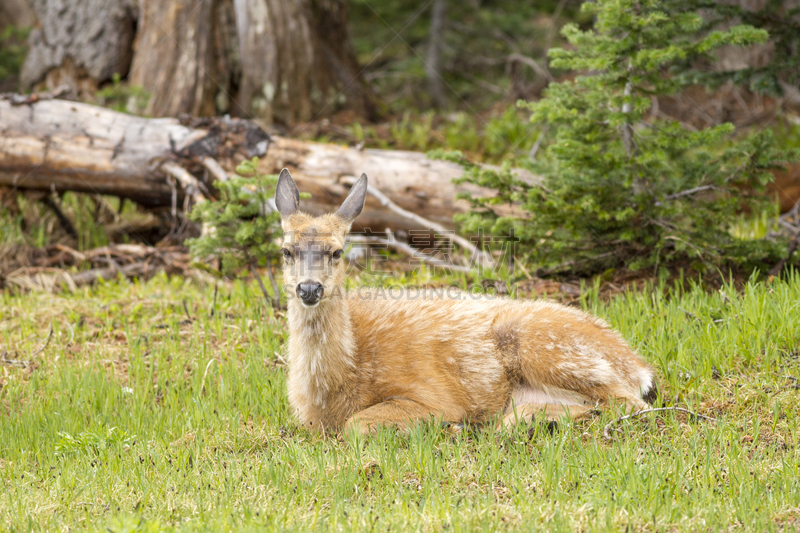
241, 227
621, 187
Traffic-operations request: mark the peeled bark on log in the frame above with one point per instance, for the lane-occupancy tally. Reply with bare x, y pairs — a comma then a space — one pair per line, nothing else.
69, 146
79, 43
61, 145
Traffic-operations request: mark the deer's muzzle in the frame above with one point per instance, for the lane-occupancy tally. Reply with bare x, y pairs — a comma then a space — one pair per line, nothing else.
310, 292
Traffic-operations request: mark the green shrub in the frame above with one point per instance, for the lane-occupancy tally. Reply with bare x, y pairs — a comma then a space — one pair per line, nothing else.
240, 229
618, 187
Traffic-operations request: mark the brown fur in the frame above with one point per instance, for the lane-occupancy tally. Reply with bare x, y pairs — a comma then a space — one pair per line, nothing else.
370, 357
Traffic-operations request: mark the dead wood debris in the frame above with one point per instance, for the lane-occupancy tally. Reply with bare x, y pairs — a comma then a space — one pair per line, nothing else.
60, 266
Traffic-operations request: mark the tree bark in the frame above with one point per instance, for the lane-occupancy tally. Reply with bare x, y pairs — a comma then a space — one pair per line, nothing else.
79, 43
55, 144
277, 60
174, 56
299, 61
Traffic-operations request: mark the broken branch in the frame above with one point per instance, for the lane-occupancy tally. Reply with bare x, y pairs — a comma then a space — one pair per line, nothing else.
46, 342
408, 250
187, 181
479, 255
637, 414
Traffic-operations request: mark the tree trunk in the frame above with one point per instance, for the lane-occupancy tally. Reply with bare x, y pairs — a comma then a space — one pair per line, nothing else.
299, 62
433, 69
55, 144
277, 60
79, 43
282, 61
174, 58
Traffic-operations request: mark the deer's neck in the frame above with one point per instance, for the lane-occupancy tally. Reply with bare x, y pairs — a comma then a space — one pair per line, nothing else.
321, 349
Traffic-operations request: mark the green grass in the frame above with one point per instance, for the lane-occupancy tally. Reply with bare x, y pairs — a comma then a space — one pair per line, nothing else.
134, 418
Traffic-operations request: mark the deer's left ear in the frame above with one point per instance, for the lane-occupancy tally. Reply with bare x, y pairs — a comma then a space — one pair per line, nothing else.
354, 202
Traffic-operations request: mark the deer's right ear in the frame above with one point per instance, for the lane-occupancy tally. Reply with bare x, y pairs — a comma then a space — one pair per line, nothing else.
286, 195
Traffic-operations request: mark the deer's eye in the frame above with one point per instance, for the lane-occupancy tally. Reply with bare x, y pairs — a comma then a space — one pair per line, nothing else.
286, 253
337, 254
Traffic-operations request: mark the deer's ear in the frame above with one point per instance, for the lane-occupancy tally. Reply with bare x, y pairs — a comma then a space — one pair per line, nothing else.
354, 202
286, 195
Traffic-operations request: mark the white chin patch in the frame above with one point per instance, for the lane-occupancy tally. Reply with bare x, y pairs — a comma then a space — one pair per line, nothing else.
309, 306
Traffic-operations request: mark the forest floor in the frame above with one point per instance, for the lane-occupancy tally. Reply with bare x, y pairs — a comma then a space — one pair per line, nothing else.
162, 405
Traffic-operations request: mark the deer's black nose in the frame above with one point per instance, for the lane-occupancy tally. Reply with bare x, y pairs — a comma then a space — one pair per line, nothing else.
310, 292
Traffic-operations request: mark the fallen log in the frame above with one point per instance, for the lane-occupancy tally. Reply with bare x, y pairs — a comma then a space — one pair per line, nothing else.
69, 146
410, 179
58, 145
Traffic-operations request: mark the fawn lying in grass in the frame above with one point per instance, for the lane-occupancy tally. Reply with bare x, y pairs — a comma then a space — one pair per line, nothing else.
357, 361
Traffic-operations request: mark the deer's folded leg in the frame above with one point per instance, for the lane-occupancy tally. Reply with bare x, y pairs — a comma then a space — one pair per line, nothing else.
399, 412
528, 412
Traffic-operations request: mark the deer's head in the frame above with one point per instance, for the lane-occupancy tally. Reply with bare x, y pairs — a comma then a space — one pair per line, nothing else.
313, 268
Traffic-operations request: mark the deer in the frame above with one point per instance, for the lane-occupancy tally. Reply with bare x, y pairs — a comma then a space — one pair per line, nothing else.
361, 360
